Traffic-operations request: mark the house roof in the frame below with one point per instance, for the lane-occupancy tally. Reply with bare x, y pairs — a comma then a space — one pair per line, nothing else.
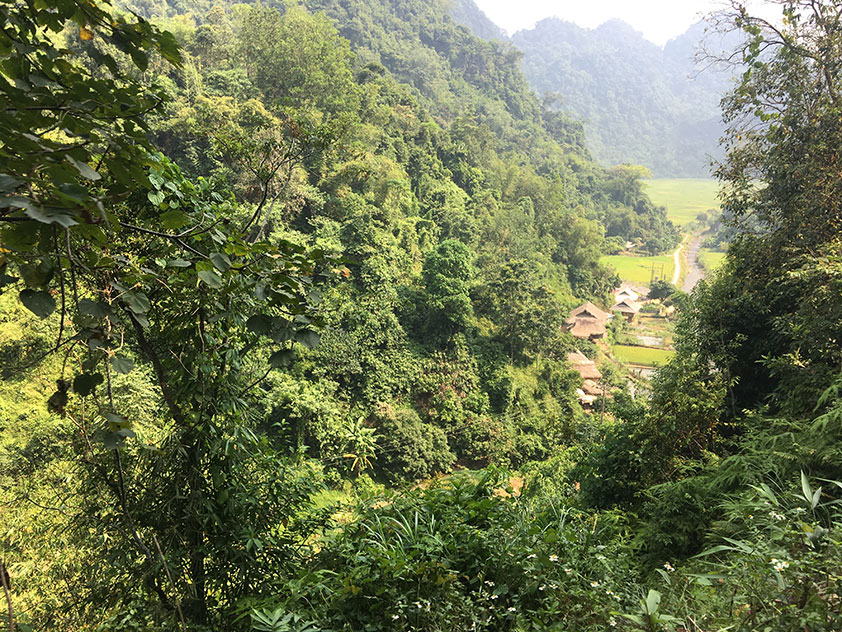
626, 293
592, 388
585, 327
589, 310
640, 290
583, 365
627, 306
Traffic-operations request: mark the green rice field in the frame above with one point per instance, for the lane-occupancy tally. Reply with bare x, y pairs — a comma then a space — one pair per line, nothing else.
684, 197
643, 356
639, 269
711, 260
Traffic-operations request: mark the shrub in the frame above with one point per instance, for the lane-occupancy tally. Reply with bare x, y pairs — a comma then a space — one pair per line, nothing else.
409, 449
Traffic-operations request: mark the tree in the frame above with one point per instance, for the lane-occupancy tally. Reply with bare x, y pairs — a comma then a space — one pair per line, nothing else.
148, 268
447, 273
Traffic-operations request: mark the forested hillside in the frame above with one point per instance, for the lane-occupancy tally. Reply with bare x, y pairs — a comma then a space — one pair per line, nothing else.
639, 103
282, 299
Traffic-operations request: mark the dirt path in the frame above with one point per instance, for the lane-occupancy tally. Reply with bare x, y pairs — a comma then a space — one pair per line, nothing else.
676, 258
695, 273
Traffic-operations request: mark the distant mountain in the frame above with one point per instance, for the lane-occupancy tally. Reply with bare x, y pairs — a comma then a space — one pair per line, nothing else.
467, 13
639, 103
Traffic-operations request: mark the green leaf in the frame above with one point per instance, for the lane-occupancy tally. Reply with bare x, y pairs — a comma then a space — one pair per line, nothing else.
179, 263
116, 421
280, 358
156, 197
805, 487
21, 237
92, 308
138, 302
39, 302
37, 276
816, 497
85, 383
173, 220
84, 169
8, 183
653, 600
50, 216
308, 338
221, 261
715, 549
261, 324
122, 364
211, 278
116, 439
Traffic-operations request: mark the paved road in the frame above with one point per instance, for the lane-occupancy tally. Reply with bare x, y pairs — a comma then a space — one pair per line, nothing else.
695, 273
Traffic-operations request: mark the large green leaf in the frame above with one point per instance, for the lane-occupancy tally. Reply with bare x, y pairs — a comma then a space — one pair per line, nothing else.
85, 383
211, 278
138, 302
38, 302
122, 364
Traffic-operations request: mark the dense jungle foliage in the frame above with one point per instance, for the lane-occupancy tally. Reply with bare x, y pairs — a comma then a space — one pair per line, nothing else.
281, 335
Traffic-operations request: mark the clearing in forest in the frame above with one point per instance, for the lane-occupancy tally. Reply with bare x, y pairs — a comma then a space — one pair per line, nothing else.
638, 270
684, 198
642, 356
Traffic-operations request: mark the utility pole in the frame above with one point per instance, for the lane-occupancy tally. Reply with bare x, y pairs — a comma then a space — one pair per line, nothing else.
602, 415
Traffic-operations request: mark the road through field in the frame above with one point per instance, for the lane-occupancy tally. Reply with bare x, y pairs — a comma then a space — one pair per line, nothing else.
695, 273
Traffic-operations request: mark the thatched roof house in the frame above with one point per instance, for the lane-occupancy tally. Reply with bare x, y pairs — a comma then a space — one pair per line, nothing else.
583, 365
587, 322
589, 310
586, 328
626, 287
627, 307
624, 294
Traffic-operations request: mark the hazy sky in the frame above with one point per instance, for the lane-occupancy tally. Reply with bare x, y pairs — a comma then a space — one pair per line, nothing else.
658, 20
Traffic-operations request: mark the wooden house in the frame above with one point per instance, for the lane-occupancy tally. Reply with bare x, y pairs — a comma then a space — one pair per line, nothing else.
627, 308
587, 322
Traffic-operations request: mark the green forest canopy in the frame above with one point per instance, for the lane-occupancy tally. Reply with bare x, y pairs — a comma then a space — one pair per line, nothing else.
265, 256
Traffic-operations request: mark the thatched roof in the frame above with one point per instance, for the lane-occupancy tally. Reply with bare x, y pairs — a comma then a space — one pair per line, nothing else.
585, 327
626, 306
589, 310
641, 291
583, 365
592, 388
626, 293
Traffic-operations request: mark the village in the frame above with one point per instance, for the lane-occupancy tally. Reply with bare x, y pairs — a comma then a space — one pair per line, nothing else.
636, 333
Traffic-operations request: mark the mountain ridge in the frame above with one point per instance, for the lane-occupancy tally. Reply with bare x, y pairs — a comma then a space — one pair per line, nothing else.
639, 102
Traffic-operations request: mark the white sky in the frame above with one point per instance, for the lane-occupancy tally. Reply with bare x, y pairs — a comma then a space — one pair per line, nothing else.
658, 20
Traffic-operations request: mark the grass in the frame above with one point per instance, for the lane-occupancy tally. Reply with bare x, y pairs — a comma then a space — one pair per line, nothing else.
710, 260
684, 197
639, 269
643, 356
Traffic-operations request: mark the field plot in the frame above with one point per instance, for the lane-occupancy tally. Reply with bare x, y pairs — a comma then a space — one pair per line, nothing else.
643, 356
684, 197
710, 260
639, 269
